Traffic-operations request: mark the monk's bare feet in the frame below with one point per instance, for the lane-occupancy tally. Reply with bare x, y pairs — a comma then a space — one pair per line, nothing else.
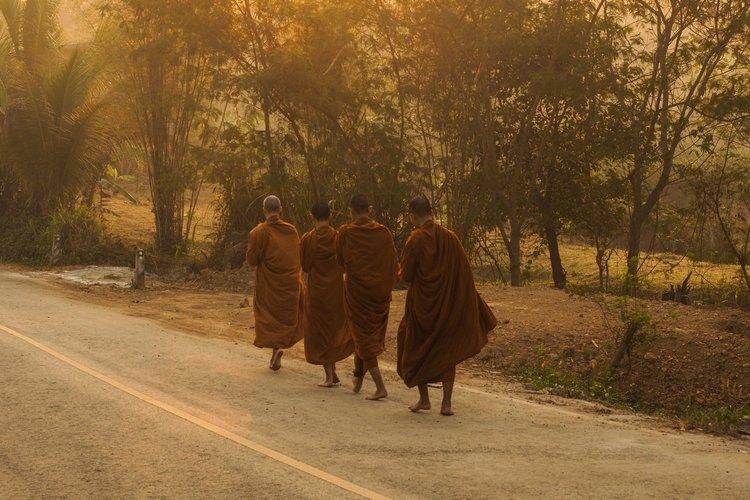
420, 406
328, 384
357, 384
446, 410
276, 360
379, 394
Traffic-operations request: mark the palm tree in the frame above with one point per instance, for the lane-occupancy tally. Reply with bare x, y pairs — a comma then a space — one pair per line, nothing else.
56, 135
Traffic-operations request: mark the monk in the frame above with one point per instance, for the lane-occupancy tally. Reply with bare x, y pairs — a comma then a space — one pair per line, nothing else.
327, 337
445, 320
278, 295
365, 250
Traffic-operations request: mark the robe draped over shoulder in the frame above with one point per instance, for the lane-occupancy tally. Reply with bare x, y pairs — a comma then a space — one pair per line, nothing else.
278, 298
327, 336
366, 252
445, 320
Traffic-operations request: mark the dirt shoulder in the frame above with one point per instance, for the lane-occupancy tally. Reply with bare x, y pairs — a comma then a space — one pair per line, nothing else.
691, 367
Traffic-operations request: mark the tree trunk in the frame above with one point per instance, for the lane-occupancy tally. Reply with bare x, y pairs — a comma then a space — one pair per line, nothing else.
558, 271
274, 173
625, 345
602, 263
743, 269
165, 194
634, 253
514, 254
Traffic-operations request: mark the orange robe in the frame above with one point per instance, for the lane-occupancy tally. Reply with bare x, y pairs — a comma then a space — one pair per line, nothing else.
327, 338
445, 320
278, 298
366, 251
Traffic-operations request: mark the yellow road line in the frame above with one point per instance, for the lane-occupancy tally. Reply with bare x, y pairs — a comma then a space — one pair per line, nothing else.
275, 455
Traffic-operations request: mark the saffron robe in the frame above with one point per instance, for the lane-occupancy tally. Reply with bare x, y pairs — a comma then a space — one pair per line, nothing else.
327, 337
278, 297
367, 254
445, 320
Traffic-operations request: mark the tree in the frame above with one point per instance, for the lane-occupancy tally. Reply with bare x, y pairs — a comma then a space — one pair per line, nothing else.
575, 87
165, 77
678, 48
54, 102
724, 185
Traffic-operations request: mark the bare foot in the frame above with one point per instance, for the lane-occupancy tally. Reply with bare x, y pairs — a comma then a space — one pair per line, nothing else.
381, 394
357, 384
276, 364
329, 383
420, 405
446, 410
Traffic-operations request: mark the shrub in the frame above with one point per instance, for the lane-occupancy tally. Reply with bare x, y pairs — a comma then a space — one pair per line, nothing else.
28, 238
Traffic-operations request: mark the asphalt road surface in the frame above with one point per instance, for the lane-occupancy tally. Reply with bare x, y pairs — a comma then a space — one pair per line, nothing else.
96, 403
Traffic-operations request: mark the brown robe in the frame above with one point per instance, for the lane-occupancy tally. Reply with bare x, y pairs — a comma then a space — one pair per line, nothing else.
278, 298
445, 320
366, 251
327, 338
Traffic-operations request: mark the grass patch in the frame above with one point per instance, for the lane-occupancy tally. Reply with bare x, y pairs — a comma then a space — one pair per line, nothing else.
727, 419
601, 387
28, 239
595, 386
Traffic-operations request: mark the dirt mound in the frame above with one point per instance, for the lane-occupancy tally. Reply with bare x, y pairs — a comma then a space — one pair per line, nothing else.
690, 359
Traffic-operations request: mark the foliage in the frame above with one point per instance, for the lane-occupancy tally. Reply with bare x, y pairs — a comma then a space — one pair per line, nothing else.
83, 239
165, 77
600, 386
56, 132
525, 122
542, 375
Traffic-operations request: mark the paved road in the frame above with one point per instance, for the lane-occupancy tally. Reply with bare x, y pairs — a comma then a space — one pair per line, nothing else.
162, 413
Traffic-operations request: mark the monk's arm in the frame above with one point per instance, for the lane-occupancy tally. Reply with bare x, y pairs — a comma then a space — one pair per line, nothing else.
256, 244
408, 263
305, 257
251, 254
305, 254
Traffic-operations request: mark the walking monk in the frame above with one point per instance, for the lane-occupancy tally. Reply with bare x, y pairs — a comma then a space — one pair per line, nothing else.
327, 338
278, 300
365, 250
445, 320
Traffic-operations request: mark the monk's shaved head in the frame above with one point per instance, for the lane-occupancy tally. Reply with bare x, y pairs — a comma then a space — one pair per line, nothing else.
321, 211
359, 204
272, 204
420, 206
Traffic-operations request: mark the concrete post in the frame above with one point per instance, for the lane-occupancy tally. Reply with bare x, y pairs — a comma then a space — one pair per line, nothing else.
139, 277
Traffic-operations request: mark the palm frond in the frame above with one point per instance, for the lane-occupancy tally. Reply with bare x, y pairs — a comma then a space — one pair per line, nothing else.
40, 33
11, 21
72, 83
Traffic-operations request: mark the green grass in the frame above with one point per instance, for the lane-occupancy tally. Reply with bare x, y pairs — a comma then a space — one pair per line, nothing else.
721, 420
602, 387
596, 386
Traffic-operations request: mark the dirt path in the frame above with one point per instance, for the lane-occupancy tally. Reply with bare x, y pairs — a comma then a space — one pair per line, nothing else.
63, 431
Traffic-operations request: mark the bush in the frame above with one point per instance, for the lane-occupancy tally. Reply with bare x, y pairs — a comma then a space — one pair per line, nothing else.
28, 238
